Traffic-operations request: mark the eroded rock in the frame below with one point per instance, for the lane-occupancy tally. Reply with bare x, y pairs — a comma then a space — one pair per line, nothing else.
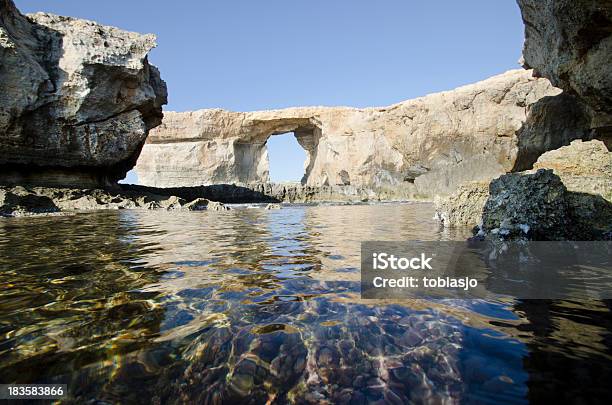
464, 207
532, 204
570, 43
77, 99
566, 196
22, 201
421, 147
584, 167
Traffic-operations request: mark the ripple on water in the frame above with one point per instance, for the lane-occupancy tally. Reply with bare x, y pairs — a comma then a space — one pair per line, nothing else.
263, 306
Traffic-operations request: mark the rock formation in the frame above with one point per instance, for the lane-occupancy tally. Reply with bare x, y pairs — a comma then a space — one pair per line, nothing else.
567, 196
424, 146
77, 99
570, 43
464, 207
584, 167
25, 201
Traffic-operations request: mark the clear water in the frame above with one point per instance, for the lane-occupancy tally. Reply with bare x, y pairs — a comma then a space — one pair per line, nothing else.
256, 306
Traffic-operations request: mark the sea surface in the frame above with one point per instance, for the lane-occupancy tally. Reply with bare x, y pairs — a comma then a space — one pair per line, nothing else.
258, 306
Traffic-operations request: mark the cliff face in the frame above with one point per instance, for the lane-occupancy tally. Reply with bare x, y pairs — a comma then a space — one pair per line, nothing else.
77, 99
570, 43
428, 145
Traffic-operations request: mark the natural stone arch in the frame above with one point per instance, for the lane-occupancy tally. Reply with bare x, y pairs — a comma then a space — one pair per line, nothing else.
251, 152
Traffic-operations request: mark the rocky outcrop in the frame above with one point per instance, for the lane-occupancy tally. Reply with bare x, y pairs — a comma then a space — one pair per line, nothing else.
538, 206
270, 193
584, 167
419, 147
570, 43
77, 99
464, 207
567, 196
527, 204
25, 201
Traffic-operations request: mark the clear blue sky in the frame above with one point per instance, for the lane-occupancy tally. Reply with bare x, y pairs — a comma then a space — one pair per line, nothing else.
250, 55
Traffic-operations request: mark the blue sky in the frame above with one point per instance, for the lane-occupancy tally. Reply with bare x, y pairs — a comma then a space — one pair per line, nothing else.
251, 55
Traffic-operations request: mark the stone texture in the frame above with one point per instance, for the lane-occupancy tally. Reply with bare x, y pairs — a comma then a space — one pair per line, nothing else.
527, 204
584, 167
77, 99
538, 206
570, 43
419, 148
270, 193
22, 201
568, 195
464, 207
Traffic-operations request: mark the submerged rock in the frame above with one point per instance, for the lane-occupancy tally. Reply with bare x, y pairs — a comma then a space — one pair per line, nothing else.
77, 99
416, 148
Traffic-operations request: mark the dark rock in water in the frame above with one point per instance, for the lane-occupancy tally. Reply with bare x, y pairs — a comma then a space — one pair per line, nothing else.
570, 197
20, 201
527, 204
77, 99
538, 206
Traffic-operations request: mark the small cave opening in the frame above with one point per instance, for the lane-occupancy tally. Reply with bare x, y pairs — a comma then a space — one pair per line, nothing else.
287, 158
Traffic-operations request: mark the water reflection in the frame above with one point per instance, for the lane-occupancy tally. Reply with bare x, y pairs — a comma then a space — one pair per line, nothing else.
251, 306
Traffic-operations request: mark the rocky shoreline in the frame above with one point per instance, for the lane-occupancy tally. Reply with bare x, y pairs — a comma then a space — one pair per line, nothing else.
39, 200
80, 106
18, 201
568, 195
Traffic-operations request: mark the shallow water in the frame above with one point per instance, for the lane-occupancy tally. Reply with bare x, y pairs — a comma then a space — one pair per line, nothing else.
258, 306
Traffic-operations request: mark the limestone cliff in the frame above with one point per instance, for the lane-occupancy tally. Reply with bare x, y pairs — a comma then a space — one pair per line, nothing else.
427, 146
77, 99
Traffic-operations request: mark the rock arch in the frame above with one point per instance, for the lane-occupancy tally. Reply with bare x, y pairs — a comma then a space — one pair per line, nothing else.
422, 147
251, 152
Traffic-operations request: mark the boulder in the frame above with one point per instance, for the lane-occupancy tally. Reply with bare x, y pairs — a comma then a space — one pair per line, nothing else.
77, 99
533, 205
418, 148
201, 204
19, 202
570, 43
